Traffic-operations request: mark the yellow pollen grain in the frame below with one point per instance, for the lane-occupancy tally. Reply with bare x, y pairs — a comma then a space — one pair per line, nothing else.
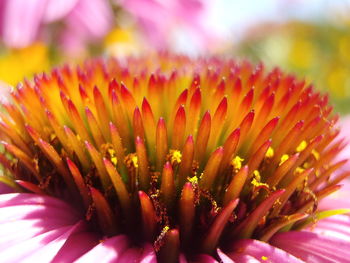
176, 157
193, 180
299, 170
301, 146
114, 160
135, 161
256, 180
315, 154
237, 162
270, 152
284, 158
264, 258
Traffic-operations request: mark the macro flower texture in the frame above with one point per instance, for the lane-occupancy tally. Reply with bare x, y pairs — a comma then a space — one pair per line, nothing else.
166, 158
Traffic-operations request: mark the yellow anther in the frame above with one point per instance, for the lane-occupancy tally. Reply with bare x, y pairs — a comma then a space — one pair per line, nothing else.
257, 175
193, 180
315, 154
284, 158
257, 180
264, 258
237, 162
176, 157
301, 146
135, 161
114, 160
270, 152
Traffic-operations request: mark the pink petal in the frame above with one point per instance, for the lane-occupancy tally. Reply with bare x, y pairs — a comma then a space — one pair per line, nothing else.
130, 255
76, 245
148, 255
21, 21
28, 206
5, 189
224, 258
335, 226
203, 259
313, 247
249, 250
109, 250
42, 246
339, 199
91, 17
58, 9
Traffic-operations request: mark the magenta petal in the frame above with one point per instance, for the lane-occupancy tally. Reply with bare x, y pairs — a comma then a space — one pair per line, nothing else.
203, 259
337, 226
42, 246
224, 258
109, 250
243, 251
130, 255
76, 245
148, 255
313, 247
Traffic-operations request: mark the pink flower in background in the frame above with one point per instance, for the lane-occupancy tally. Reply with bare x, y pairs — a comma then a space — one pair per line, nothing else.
22, 22
160, 20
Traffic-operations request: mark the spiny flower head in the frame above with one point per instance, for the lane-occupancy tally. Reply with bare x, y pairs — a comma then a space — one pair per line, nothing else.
188, 154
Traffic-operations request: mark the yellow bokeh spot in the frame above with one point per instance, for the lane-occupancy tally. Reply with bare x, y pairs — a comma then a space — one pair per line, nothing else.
16, 64
264, 258
135, 161
299, 170
301, 146
237, 162
284, 158
270, 152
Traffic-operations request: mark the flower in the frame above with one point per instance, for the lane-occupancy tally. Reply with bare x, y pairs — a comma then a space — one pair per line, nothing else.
24, 22
185, 16
165, 159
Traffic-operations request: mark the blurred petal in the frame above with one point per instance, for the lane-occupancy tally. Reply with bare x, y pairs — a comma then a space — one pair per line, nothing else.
335, 226
110, 250
21, 21
91, 17
58, 9
337, 200
313, 247
250, 250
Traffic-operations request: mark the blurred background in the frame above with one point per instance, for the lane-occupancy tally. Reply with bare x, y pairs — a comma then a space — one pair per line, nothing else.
310, 38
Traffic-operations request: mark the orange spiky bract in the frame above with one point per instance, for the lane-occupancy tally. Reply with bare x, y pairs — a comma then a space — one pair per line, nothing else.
191, 153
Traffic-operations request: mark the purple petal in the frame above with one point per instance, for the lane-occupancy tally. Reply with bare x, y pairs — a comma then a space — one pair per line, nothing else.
335, 226
249, 250
313, 247
21, 21
224, 258
109, 250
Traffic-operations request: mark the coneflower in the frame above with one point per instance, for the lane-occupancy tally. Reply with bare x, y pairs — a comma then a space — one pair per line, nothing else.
166, 158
